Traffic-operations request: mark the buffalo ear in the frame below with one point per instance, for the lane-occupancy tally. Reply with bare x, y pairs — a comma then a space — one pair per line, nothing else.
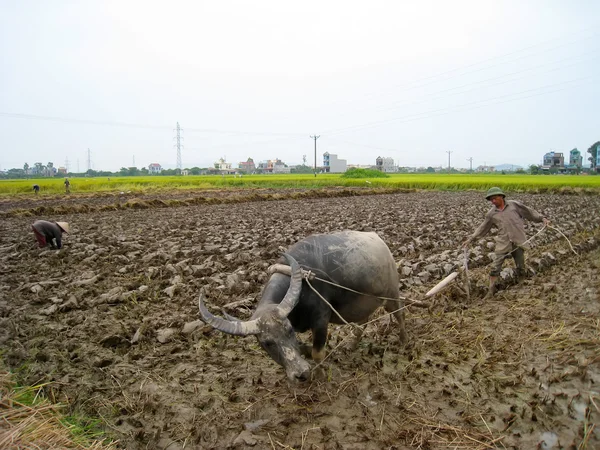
293, 294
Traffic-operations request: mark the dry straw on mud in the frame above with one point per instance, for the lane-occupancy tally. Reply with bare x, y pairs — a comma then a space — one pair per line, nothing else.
36, 426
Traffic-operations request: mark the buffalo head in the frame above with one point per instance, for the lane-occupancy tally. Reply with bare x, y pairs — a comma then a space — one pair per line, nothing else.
271, 327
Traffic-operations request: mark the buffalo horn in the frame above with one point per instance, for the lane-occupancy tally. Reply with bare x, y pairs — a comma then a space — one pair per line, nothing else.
227, 326
293, 294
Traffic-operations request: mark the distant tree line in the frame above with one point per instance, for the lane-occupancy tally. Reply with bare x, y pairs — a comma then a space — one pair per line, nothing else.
40, 170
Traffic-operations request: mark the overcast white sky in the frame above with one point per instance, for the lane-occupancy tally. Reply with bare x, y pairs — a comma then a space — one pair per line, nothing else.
501, 82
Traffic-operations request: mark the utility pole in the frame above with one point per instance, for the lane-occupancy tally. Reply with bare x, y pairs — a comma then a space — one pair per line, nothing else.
67, 164
179, 138
470, 161
448, 160
133, 161
315, 138
89, 161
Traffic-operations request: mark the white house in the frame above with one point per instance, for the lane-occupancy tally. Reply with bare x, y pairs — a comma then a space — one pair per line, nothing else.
154, 169
332, 164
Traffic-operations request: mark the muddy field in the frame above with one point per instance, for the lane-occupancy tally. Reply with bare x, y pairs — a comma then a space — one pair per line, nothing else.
111, 323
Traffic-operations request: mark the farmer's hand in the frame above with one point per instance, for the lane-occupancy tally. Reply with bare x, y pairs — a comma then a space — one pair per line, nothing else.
546, 222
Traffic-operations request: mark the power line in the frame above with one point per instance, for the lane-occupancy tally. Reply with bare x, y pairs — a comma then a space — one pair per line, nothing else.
505, 80
135, 125
262, 142
361, 145
433, 113
242, 133
408, 118
426, 114
504, 62
78, 121
408, 86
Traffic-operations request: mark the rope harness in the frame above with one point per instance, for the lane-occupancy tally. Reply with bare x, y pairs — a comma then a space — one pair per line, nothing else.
307, 275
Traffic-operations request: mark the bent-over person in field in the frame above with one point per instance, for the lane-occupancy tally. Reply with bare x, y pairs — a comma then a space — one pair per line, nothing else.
49, 233
507, 216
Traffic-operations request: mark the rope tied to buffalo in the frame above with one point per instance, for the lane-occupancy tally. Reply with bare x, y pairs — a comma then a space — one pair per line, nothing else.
308, 275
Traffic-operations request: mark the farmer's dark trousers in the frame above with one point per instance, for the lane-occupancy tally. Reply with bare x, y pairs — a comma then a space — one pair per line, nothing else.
517, 253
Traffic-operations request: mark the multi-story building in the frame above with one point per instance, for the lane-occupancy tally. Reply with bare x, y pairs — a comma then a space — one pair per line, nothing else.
575, 159
553, 159
273, 166
385, 164
221, 164
595, 158
331, 163
247, 166
223, 167
280, 167
154, 169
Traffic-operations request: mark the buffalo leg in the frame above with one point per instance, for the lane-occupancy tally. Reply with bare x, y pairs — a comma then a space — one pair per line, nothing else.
319, 341
398, 309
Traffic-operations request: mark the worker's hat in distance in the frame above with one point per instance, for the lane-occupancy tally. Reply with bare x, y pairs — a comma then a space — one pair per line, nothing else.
64, 226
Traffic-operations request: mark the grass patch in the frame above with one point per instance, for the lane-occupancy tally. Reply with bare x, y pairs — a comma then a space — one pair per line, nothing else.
30, 420
364, 173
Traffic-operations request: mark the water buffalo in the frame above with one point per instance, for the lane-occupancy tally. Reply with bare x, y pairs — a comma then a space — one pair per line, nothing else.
357, 260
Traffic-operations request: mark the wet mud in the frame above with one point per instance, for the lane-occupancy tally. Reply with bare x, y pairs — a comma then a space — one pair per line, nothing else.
111, 323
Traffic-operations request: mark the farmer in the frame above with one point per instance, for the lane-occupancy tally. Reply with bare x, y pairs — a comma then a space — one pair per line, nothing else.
46, 232
36, 188
507, 216
67, 185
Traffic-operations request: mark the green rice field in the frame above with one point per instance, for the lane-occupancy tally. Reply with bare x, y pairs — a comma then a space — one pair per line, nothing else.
513, 182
